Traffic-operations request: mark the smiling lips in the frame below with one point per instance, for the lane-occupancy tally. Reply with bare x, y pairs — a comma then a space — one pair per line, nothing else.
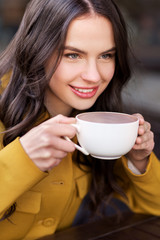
84, 92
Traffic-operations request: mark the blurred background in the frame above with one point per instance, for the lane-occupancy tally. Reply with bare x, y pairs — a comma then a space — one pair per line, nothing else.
142, 94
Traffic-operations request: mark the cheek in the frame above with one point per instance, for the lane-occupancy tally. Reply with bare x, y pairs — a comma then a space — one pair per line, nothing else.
108, 73
58, 77
111, 73
66, 72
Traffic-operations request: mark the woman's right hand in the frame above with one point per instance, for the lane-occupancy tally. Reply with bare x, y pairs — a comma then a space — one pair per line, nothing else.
45, 144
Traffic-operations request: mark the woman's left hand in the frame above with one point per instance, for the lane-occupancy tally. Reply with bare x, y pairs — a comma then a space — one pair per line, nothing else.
143, 146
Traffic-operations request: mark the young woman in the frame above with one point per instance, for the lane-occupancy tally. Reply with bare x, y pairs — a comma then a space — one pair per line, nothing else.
68, 56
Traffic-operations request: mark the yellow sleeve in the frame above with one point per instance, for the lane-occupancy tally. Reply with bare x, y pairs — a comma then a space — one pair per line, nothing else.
4, 81
18, 174
143, 191
1, 134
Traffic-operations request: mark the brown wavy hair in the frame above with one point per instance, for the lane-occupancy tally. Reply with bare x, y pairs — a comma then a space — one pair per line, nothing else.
41, 33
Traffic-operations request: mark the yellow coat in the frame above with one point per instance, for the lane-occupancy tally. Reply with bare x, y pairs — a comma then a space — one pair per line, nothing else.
47, 202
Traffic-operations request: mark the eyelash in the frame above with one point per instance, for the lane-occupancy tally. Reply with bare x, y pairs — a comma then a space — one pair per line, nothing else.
76, 55
108, 55
70, 55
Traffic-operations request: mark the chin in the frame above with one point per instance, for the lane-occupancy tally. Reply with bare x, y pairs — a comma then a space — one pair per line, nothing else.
83, 105
83, 108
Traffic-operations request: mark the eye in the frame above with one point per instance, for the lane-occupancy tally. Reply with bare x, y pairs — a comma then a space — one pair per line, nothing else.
107, 56
72, 55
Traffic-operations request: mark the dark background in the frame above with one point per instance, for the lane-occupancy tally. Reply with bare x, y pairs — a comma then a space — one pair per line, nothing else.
142, 94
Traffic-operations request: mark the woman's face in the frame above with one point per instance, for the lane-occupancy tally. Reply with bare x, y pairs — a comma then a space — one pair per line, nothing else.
86, 68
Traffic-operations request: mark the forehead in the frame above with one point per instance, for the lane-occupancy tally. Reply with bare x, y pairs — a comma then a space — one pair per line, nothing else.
92, 29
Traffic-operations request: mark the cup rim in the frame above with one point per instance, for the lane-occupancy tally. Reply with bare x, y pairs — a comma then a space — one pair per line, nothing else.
133, 117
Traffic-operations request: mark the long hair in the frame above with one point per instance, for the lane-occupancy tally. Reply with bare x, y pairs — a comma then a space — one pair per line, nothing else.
41, 33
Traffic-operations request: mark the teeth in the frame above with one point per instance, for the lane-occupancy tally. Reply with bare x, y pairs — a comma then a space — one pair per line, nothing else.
83, 90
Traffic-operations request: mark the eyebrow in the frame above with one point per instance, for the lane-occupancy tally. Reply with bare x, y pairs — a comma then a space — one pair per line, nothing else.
113, 49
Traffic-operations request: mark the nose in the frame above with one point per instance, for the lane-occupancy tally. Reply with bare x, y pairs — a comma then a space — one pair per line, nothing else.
91, 72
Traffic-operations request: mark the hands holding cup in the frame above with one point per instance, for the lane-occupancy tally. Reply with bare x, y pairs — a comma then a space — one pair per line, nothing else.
104, 135
45, 144
107, 135
143, 146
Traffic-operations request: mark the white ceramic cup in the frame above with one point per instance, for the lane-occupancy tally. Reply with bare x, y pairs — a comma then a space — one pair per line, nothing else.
106, 135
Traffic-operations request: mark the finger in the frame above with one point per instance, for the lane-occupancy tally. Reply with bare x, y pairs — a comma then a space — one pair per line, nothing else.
62, 119
54, 142
145, 137
48, 164
63, 145
65, 130
147, 146
144, 128
58, 129
55, 163
140, 117
46, 153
